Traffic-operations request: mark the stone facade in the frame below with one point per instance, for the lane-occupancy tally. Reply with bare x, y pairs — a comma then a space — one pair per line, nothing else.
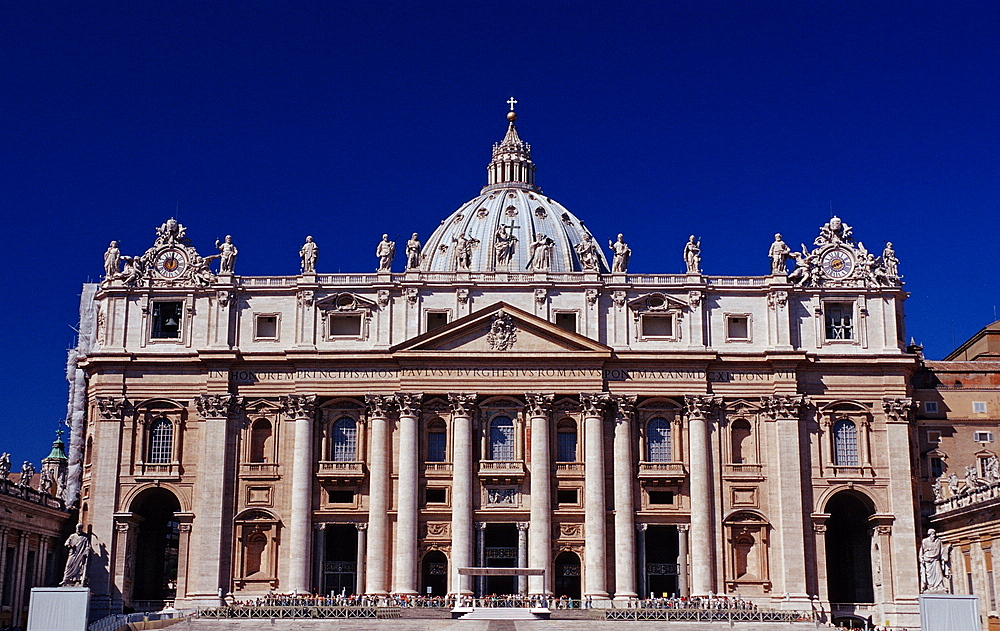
493, 405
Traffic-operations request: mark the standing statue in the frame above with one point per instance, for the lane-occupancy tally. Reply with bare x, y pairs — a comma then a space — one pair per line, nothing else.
622, 254
76, 564
4, 466
540, 253
308, 254
972, 479
953, 484
779, 253
692, 255
992, 469
504, 246
587, 250
462, 252
227, 258
933, 564
890, 262
413, 252
27, 471
938, 490
385, 251
112, 259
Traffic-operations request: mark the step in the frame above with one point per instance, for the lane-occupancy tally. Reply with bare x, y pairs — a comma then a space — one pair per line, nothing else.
504, 613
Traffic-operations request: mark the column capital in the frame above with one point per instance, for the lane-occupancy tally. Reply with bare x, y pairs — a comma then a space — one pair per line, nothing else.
539, 404
701, 406
594, 403
216, 405
624, 406
683, 527
111, 408
379, 405
522, 526
480, 525
362, 526
462, 403
409, 403
780, 407
299, 405
641, 527
897, 410
320, 525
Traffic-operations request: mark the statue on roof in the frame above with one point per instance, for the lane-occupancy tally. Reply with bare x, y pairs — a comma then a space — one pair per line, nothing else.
112, 260
4, 465
385, 251
227, 257
540, 253
622, 254
804, 274
504, 246
779, 253
889, 262
171, 232
462, 251
27, 471
587, 250
833, 232
308, 254
413, 252
692, 255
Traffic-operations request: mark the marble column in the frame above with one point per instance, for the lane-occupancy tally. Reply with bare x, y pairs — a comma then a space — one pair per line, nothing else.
699, 410
359, 577
682, 560
405, 565
641, 545
463, 478
790, 526
319, 552
379, 407
897, 411
522, 556
300, 408
624, 477
480, 557
540, 525
594, 504
213, 528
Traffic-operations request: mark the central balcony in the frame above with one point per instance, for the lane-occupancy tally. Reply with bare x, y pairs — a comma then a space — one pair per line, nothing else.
341, 471
662, 472
501, 470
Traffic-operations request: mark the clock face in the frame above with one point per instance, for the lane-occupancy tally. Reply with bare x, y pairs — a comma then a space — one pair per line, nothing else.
170, 263
837, 264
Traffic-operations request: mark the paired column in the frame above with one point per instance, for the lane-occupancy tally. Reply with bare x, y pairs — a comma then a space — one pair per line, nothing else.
641, 539
319, 552
300, 408
480, 557
682, 560
540, 525
379, 407
405, 575
522, 556
699, 410
461, 490
595, 507
359, 577
624, 499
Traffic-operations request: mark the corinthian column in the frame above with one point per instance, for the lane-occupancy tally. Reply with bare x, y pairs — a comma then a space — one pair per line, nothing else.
624, 471
461, 490
379, 407
540, 526
786, 410
300, 408
405, 570
699, 409
594, 508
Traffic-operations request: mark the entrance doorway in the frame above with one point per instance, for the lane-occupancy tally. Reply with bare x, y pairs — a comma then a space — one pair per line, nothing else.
567, 578
434, 574
340, 559
156, 547
661, 561
501, 551
848, 548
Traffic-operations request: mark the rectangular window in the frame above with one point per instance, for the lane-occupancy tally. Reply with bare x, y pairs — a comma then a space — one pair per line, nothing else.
345, 325
567, 496
265, 327
566, 447
930, 407
933, 437
979, 407
661, 498
166, 320
983, 437
436, 319
341, 497
566, 321
657, 325
839, 320
435, 496
738, 328
436, 442
937, 467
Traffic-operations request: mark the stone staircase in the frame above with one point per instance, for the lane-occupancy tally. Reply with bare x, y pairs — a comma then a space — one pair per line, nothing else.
504, 613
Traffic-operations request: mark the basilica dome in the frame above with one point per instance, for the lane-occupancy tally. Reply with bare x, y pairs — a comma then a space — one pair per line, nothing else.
512, 226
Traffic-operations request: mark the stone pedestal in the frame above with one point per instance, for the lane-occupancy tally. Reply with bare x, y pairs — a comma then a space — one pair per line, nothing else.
59, 609
947, 612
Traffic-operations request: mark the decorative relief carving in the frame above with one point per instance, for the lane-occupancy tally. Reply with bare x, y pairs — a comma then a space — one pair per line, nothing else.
299, 405
226, 298
594, 404
592, 295
379, 405
777, 299
306, 298
539, 404
463, 295
570, 531
694, 298
411, 294
462, 403
618, 298
540, 295
382, 297
215, 405
437, 529
110, 408
503, 333
702, 406
624, 407
897, 410
783, 407
408, 403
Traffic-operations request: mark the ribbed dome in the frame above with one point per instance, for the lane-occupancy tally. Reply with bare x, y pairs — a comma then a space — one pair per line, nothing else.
496, 231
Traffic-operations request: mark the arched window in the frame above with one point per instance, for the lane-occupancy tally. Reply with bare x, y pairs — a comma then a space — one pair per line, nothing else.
658, 440
742, 449
437, 441
845, 443
161, 441
260, 440
255, 546
345, 440
566, 441
89, 452
502, 438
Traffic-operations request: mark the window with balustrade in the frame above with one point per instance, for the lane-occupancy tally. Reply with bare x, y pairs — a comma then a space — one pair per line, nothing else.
566, 441
437, 441
658, 440
161, 442
845, 443
344, 440
501, 445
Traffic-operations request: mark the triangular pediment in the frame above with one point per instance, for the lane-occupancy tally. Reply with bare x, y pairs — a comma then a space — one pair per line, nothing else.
501, 329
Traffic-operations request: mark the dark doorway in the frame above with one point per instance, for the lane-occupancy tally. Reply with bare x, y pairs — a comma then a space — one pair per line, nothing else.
340, 559
434, 574
567, 579
661, 560
848, 548
156, 546
501, 551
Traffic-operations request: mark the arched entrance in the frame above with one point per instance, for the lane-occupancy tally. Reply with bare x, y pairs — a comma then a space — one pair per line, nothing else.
434, 574
156, 546
848, 548
567, 578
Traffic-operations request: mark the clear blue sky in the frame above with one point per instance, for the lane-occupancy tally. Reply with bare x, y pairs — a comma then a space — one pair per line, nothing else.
273, 120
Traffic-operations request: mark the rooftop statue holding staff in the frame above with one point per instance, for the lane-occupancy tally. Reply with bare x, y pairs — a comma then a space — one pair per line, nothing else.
779, 253
227, 257
692, 255
385, 251
622, 254
309, 253
413, 252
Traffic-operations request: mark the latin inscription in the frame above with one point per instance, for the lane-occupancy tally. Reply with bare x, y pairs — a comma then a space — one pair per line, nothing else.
617, 374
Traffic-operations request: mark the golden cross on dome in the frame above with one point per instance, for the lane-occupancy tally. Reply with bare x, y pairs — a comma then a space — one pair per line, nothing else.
512, 103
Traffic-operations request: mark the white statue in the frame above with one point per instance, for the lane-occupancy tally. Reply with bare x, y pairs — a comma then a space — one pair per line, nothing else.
890, 262
834, 231
587, 250
462, 252
413, 252
622, 254
112, 259
540, 253
938, 490
308, 254
135, 269
4, 466
200, 272
692, 255
992, 469
27, 471
227, 258
953, 484
76, 563
171, 232
385, 251
805, 264
779, 253
972, 479
933, 564
504, 246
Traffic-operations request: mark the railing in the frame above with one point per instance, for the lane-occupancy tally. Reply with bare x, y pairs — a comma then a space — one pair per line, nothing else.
662, 470
268, 281
437, 467
654, 279
260, 468
852, 472
350, 279
736, 281
707, 615
569, 467
862, 610
117, 621
299, 611
501, 467
329, 469
753, 470
8, 487
167, 470
969, 496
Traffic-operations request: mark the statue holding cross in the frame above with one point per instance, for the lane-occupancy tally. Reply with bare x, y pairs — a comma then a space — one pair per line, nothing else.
505, 244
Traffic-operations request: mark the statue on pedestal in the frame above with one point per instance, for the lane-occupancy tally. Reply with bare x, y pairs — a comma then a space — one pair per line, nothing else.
112, 259
27, 471
504, 246
692, 255
933, 564
587, 250
779, 253
540, 253
308, 254
385, 251
227, 258
4, 465
76, 564
622, 254
413, 252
